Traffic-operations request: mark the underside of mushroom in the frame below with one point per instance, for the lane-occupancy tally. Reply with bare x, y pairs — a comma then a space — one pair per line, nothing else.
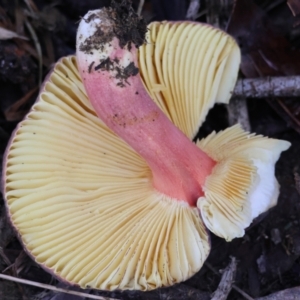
102, 181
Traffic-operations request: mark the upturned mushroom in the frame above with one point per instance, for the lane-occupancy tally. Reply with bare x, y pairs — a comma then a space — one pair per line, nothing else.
122, 201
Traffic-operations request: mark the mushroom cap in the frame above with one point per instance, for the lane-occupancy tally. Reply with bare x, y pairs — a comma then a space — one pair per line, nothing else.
82, 201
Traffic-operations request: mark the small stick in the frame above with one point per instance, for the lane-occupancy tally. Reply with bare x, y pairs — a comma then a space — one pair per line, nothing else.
236, 288
226, 282
265, 87
4, 257
285, 86
193, 10
238, 112
140, 8
51, 287
288, 294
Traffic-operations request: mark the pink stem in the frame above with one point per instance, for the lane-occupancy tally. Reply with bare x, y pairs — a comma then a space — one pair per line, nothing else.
115, 89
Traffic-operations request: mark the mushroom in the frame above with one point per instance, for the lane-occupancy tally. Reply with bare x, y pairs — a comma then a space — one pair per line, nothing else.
122, 201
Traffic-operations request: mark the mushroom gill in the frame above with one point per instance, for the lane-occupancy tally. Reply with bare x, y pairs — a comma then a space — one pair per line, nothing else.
187, 68
82, 202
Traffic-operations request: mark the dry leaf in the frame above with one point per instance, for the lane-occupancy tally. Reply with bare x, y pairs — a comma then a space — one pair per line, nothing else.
6, 34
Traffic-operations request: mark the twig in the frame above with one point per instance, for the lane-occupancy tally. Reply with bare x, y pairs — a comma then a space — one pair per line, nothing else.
264, 87
140, 8
38, 49
226, 282
201, 13
13, 271
31, 5
51, 287
238, 112
193, 10
288, 294
4, 257
236, 288
294, 7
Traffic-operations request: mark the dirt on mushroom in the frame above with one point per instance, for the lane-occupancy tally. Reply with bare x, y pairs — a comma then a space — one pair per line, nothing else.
128, 27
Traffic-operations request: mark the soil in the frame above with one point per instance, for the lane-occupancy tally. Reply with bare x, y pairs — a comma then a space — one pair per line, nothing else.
269, 253
127, 26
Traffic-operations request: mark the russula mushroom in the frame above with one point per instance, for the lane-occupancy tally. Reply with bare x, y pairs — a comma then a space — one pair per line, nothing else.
120, 201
